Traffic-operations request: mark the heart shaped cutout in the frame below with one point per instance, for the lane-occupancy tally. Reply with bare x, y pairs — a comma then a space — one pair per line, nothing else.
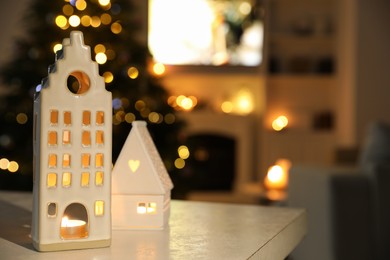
134, 164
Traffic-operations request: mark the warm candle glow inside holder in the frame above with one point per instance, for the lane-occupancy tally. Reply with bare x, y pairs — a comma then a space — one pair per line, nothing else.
73, 228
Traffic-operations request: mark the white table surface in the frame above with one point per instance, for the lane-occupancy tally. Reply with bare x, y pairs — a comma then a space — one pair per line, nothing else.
197, 230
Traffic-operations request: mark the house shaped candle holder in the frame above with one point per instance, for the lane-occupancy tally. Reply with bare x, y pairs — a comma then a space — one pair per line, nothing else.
141, 186
72, 153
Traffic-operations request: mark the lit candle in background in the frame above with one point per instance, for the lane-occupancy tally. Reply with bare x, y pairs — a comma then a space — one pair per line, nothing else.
73, 228
277, 175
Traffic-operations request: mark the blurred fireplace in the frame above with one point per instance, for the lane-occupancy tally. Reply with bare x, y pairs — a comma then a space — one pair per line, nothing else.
211, 165
222, 152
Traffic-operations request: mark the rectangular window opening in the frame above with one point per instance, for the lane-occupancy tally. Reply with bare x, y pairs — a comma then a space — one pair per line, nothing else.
66, 179
147, 208
86, 138
99, 160
85, 179
99, 137
52, 138
52, 160
99, 208
53, 117
52, 209
99, 117
85, 160
99, 176
86, 117
66, 160
67, 118
66, 137
51, 180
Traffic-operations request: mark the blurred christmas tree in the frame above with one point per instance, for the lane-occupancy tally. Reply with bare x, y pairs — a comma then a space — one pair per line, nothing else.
110, 28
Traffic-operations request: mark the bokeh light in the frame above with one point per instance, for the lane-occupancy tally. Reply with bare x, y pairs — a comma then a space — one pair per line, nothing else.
279, 123
179, 163
104, 2
95, 21
133, 72
101, 58
81, 5
67, 9
183, 152
99, 48
105, 18
108, 77
116, 28
61, 21
227, 107
86, 20
74, 21
57, 47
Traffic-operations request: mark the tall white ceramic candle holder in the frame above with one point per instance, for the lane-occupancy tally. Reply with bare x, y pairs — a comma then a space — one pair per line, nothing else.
72, 153
141, 186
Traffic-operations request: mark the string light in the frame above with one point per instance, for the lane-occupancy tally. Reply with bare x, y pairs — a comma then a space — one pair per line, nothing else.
74, 21
105, 18
101, 58
95, 21
183, 152
86, 20
61, 21
116, 28
67, 9
227, 107
129, 118
108, 77
104, 2
133, 72
4, 162
99, 48
21, 118
57, 47
81, 5
139, 105
179, 163
158, 68
169, 118
279, 123
11, 166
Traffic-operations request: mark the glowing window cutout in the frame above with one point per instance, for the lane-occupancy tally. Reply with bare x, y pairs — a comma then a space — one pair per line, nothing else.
66, 179
99, 117
66, 160
85, 179
86, 138
52, 138
66, 137
51, 180
99, 208
99, 137
52, 160
146, 208
85, 160
99, 178
67, 118
52, 210
99, 160
86, 117
54, 117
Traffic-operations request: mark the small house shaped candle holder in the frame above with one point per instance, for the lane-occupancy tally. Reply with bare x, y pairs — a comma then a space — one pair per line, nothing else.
141, 186
72, 153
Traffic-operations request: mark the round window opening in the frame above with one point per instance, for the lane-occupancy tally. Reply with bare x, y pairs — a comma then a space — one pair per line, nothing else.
78, 82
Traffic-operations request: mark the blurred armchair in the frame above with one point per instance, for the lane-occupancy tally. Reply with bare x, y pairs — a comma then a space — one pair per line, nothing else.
348, 207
